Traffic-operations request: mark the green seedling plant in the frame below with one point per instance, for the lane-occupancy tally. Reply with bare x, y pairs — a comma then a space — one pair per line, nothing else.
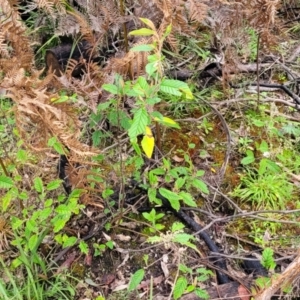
146, 91
269, 263
184, 179
206, 126
266, 187
182, 285
153, 217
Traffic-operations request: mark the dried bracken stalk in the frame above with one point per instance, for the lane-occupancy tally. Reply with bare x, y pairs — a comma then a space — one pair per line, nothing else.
38, 117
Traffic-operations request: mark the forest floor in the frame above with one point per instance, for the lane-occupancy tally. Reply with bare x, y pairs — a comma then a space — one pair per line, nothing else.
168, 172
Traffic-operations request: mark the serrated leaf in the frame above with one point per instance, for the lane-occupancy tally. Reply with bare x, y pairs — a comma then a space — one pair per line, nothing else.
142, 32
180, 286
38, 185
180, 181
182, 238
148, 142
111, 88
177, 226
202, 294
136, 279
84, 248
6, 182
172, 197
70, 241
138, 126
53, 185
199, 184
59, 224
188, 199
176, 87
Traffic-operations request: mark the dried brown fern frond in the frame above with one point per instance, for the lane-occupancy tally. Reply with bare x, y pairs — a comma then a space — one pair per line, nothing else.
39, 117
14, 38
132, 63
50, 7
197, 10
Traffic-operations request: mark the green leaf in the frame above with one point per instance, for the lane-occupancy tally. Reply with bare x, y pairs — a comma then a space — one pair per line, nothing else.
70, 241
6, 182
6, 200
179, 183
142, 32
263, 147
177, 226
176, 87
33, 242
172, 197
199, 184
182, 238
168, 87
136, 279
22, 155
38, 185
138, 126
111, 88
247, 160
180, 287
188, 199
84, 248
268, 259
59, 224
152, 196
151, 68
53, 185
142, 48
202, 294
57, 146
110, 244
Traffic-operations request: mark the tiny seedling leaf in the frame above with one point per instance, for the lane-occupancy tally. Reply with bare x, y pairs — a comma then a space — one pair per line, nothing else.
177, 226
84, 248
38, 184
136, 279
53, 185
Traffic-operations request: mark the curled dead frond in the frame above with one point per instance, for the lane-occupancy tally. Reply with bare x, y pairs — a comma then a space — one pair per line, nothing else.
14, 42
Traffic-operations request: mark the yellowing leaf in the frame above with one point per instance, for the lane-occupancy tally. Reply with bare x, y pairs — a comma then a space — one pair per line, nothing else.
148, 131
142, 31
169, 121
188, 93
149, 23
148, 142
